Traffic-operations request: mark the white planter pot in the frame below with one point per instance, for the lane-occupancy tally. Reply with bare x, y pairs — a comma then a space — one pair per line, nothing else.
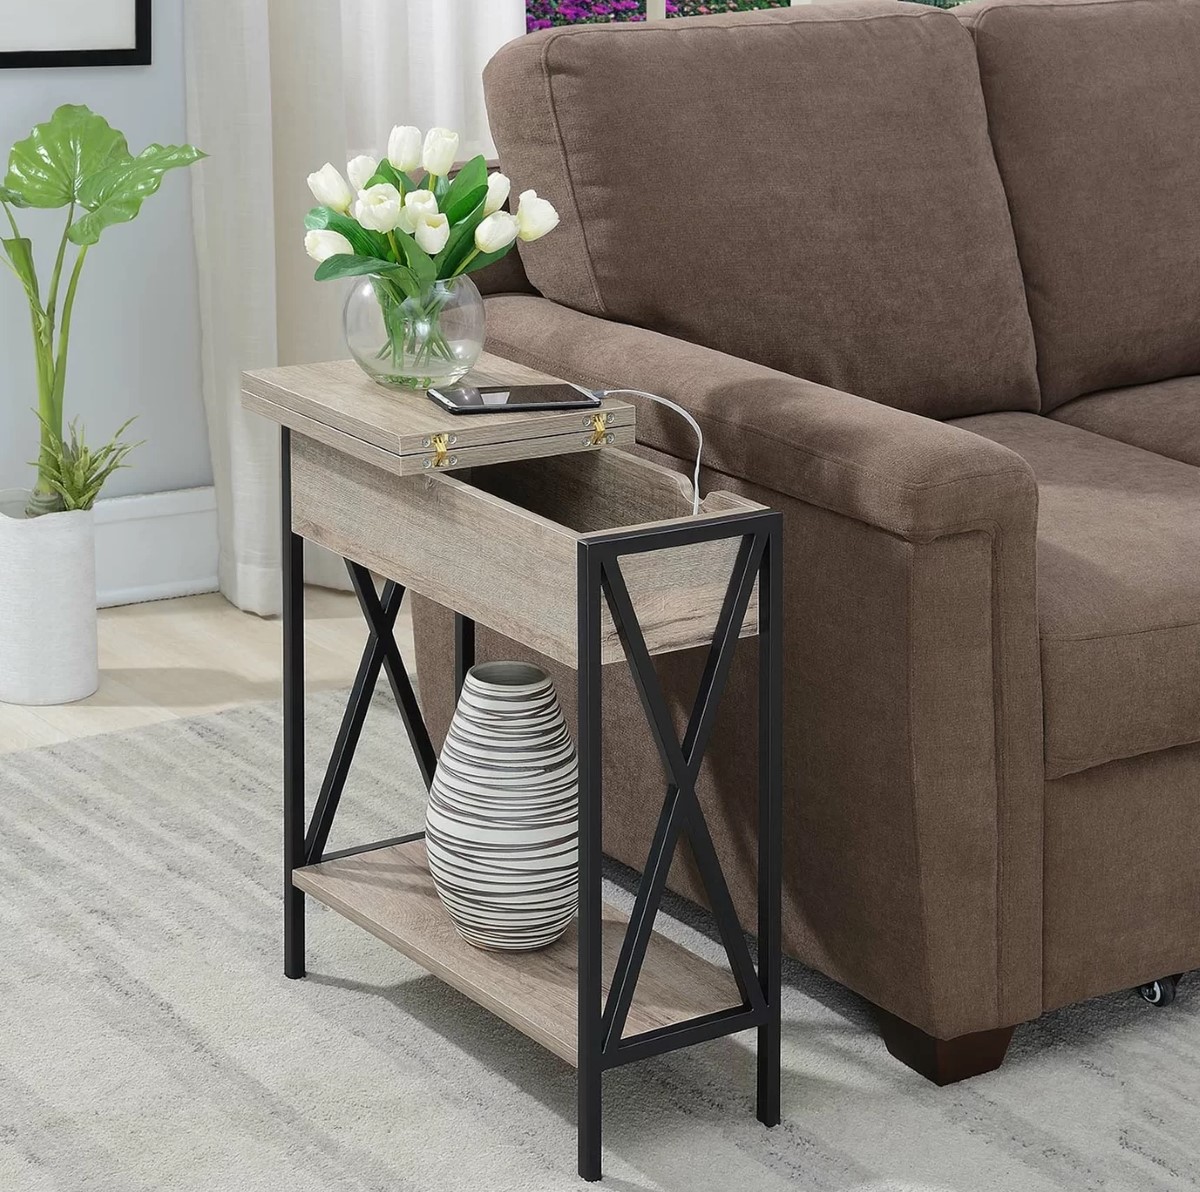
502, 827
47, 605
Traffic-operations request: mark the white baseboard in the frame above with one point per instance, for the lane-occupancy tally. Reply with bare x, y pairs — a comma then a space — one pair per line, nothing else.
156, 546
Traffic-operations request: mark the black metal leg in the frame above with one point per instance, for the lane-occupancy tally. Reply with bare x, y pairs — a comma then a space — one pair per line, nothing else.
590, 1058
464, 650
770, 821
293, 719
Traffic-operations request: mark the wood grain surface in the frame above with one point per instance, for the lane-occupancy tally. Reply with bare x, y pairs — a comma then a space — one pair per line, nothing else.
502, 565
390, 893
335, 401
507, 558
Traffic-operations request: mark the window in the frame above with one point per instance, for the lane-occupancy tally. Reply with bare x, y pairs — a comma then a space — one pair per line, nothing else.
542, 14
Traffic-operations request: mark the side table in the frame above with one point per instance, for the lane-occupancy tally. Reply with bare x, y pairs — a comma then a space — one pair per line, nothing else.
539, 526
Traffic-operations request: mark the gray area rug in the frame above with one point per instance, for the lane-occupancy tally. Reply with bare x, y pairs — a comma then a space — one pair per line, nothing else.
149, 1042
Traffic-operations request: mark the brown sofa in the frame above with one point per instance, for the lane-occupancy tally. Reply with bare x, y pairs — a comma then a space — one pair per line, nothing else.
931, 283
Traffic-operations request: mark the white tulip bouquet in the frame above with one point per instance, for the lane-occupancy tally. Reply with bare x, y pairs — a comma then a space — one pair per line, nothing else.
415, 228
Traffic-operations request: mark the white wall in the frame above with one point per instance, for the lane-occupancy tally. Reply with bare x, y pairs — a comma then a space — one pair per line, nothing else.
135, 338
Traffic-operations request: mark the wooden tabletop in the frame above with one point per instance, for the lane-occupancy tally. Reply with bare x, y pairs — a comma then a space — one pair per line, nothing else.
336, 403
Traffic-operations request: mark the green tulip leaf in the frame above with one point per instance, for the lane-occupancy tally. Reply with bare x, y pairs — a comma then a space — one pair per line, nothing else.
461, 241
366, 243
115, 193
416, 258
20, 256
458, 209
461, 196
345, 265
386, 172
49, 167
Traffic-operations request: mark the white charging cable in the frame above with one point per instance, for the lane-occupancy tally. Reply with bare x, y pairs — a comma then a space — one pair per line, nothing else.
664, 401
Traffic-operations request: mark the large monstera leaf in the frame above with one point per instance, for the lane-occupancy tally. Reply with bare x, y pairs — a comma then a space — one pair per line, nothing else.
49, 167
77, 157
115, 193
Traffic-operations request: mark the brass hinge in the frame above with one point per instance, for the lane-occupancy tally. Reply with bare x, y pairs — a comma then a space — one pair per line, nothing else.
600, 433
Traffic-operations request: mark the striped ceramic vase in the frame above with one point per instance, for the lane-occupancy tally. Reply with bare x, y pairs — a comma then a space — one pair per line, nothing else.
502, 824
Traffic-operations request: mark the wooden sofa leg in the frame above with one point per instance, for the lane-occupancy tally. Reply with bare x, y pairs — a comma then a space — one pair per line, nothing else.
945, 1061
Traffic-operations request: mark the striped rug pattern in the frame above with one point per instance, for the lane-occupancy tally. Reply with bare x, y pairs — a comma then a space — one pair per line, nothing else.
502, 824
150, 1043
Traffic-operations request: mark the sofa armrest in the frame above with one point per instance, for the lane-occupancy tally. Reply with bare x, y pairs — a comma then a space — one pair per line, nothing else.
901, 472
913, 711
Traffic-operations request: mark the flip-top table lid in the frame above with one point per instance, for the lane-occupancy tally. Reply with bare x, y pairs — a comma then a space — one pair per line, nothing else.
337, 404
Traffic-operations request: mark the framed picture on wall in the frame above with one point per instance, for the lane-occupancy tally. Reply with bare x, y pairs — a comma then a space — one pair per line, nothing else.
74, 33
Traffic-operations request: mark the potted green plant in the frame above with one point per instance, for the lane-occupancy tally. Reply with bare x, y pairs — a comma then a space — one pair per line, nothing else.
47, 547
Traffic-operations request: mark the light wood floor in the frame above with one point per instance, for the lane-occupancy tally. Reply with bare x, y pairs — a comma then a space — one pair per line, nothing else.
198, 654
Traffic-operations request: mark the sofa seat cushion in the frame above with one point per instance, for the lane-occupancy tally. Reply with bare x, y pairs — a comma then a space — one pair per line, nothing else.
1163, 417
1118, 591
734, 181
1094, 110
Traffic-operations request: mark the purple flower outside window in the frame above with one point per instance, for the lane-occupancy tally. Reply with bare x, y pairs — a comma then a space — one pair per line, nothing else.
545, 14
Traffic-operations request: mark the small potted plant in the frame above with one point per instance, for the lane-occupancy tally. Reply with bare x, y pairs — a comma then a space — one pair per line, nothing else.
411, 228
47, 544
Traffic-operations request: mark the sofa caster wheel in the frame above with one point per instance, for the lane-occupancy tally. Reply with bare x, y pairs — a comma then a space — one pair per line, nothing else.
1161, 992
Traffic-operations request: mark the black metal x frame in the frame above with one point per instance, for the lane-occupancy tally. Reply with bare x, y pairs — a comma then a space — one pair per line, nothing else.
601, 1044
380, 650
601, 1041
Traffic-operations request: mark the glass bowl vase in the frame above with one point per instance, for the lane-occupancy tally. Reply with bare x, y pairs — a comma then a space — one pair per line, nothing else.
414, 343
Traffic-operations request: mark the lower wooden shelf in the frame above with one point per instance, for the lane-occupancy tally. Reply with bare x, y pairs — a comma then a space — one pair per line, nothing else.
390, 893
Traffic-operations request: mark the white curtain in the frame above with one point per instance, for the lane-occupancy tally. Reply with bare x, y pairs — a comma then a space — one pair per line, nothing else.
275, 89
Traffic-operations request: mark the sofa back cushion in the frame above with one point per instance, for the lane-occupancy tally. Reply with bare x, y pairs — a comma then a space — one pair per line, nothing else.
1094, 107
810, 188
